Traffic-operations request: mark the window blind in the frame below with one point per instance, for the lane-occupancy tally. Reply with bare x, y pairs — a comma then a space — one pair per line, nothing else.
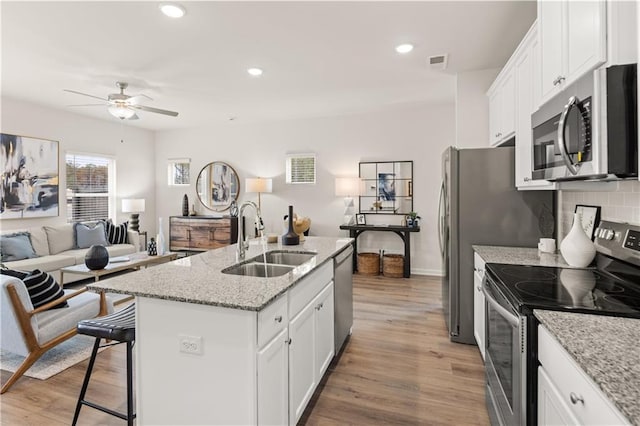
88, 195
301, 168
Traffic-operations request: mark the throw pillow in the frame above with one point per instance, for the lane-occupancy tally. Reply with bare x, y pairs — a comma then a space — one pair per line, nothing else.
16, 247
21, 275
116, 234
87, 235
60, 238
43, 288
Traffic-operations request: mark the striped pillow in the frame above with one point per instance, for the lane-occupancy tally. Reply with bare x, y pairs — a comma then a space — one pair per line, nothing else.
116, 234
43, 288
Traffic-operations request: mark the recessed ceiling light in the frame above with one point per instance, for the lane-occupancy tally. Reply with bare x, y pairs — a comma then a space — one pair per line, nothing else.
255, 71
172, 10
404, 48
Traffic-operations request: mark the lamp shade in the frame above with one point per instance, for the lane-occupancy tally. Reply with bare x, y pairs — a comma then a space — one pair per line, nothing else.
133, 205
258, 185
347, 186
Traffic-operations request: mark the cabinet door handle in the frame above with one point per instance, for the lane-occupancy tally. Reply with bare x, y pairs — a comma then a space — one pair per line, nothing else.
479, 288
561, 79
575, 398
527, 179
278, 318
288, 341
320, 305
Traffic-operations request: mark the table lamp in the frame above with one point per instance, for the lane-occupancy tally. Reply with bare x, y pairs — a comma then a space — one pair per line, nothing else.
348, 187
258, 185
135, 206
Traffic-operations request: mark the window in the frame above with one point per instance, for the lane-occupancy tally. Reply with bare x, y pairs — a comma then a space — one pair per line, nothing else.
301, 168
90, 187
178, 171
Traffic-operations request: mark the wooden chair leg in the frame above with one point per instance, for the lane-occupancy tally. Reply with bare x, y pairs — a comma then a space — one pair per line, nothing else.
28, 362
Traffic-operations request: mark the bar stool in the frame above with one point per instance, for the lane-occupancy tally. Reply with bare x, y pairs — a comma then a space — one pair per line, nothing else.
121, 327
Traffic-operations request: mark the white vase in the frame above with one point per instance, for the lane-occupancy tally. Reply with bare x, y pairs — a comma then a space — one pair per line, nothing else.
160, 239
577, 248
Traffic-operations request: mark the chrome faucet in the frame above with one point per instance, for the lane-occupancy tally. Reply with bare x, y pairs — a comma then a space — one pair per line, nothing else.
242, 244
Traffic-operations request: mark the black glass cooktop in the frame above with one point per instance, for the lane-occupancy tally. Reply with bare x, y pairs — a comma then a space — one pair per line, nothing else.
578, 290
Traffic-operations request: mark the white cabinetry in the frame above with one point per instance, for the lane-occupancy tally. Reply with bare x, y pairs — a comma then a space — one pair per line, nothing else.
502, 108
573, 41
311, 331
478, 302
527, 94
273, 381
566, 395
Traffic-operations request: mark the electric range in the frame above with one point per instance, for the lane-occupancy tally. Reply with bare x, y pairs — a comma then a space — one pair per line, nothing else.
512, 292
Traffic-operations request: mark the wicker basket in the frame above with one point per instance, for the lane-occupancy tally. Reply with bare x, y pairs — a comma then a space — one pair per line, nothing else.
393, 265
369, 263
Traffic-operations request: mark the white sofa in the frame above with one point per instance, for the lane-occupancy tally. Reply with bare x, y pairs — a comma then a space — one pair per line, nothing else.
54, 247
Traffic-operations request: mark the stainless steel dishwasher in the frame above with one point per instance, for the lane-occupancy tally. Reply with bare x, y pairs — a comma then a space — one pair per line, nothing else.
343, 296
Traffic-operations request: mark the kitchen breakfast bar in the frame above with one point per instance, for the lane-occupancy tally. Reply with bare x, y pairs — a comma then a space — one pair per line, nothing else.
217, 347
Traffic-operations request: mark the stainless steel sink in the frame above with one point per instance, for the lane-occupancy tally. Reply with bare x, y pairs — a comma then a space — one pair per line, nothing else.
255, 269
285, 257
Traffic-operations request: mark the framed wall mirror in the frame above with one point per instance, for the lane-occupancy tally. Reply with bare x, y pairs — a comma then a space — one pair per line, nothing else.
217, 186
387, 187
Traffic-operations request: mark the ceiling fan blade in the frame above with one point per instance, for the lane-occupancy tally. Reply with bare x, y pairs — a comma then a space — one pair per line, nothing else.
156, 110
86, 94
138, 98
85, 105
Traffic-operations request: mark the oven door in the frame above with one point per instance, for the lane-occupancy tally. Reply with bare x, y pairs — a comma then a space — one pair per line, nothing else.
505, 358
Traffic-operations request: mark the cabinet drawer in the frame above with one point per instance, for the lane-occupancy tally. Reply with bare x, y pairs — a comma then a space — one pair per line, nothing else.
304, 291
272, 319
478, 263
569, 378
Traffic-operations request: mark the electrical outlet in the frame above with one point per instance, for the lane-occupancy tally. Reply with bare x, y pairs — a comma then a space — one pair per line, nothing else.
190, 344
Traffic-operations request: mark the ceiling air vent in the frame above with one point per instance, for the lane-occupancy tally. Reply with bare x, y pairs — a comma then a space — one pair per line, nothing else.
438, 62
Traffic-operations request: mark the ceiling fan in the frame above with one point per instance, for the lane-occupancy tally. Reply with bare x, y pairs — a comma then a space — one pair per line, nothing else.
124, 106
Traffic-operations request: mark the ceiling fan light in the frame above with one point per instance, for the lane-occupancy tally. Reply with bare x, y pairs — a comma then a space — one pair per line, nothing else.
121, 112
172, 10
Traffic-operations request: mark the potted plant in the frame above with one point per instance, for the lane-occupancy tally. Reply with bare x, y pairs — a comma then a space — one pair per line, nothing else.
412, 219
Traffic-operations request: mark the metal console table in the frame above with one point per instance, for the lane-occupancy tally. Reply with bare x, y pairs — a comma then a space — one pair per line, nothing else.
403, 232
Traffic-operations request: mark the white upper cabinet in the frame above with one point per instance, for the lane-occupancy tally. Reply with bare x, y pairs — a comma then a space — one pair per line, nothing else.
573, 41
502, 104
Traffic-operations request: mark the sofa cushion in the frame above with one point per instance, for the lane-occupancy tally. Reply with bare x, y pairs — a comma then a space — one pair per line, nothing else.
16, 247
60, 238
88, 235
43, 288
45, 263
121, 249
116, 234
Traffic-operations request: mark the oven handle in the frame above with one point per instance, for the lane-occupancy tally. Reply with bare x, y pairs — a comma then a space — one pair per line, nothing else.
441, 220
511, 318
561, 144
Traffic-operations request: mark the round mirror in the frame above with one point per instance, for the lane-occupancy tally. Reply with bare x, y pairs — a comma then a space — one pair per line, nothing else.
217, 186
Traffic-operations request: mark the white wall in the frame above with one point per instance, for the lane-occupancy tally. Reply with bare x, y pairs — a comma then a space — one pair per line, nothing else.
472, 107
418, 132
135, 161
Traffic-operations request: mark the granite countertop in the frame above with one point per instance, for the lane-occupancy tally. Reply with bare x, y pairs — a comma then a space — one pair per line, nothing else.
198, 278
607, 349
520, 256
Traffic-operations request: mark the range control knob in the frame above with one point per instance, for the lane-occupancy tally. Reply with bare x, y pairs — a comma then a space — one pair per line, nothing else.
605, 234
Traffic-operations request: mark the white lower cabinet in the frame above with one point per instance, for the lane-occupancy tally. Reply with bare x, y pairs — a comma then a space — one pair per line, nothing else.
273, 381
478, 302
310, 351
566, 395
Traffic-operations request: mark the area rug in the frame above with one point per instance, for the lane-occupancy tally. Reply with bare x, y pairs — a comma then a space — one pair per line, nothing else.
55, 360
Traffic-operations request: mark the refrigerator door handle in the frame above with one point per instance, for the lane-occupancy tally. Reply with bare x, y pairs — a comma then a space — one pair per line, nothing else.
441, 220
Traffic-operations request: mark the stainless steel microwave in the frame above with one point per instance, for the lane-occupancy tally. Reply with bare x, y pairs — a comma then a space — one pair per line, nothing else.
590, 129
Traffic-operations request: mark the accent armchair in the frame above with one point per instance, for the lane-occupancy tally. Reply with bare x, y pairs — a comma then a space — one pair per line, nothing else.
31, 332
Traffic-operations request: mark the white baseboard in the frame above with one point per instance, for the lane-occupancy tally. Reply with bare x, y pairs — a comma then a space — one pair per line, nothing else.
432, 272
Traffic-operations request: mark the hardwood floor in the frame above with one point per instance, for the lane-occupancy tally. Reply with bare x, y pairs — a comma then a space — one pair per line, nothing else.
398, 367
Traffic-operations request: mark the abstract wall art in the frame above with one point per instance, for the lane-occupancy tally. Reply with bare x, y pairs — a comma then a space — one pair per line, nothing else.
30, 177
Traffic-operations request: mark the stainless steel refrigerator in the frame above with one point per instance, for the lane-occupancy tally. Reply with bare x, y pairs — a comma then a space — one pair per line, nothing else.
479, 204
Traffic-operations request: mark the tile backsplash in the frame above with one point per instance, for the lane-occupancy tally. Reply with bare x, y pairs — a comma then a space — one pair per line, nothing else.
622, 205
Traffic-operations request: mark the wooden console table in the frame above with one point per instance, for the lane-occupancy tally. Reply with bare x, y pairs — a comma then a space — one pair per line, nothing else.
403, 232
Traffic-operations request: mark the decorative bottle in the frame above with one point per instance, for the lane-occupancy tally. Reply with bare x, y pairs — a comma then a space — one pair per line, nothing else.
577, 248
153, 247
290, 238
185, 205
160, 238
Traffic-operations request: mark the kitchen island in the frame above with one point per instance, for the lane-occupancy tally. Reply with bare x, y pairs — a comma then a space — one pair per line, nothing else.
217, 348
